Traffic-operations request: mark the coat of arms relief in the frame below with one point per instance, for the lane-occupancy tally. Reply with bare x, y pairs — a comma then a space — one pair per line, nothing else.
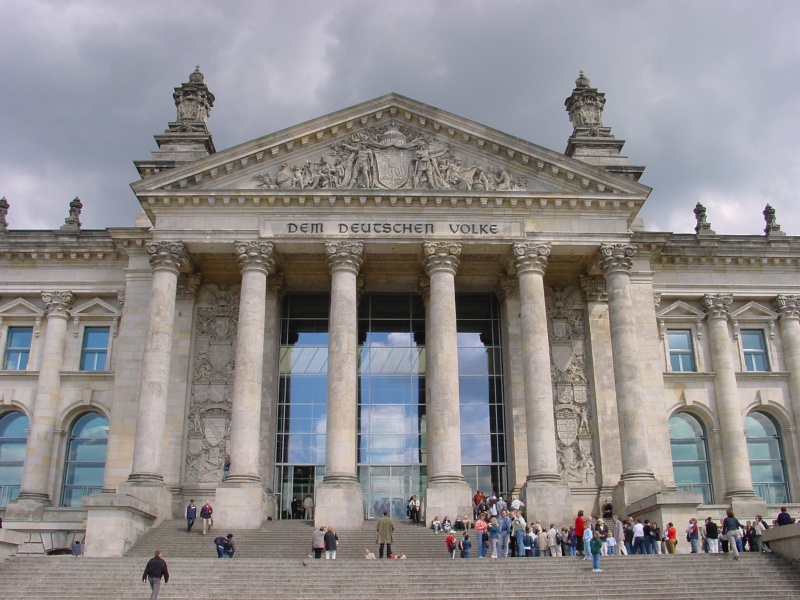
390, 157
567, 333
216, 321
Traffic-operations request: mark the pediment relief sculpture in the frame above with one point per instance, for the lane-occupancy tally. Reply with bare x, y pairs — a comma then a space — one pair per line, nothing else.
391, 157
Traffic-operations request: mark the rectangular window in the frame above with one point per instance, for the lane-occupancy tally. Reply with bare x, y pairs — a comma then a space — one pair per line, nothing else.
95, 349
681, 353
755, 350
18, 348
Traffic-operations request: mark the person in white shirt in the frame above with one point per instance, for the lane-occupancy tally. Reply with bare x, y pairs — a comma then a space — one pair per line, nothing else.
638, 538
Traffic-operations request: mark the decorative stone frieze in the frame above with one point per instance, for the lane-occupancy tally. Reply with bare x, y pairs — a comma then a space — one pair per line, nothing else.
170, 256
390, 157
73, 221
188, 284
613, 258
209, 417
345, 255
507, 287
567, 338
4, 206
594, 288
424, 288
530, 256
256, 256
440, 256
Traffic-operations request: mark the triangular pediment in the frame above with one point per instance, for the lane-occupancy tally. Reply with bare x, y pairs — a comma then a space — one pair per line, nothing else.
680, 310
753, 311
387, 145
20, 308
95, 308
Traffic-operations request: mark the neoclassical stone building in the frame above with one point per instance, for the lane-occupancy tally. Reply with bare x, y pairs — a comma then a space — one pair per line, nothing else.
385, 301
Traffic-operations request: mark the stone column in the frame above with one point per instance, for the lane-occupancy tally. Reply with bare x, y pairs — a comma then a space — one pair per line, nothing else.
167, 260
544, 488
35, 485
788, 308
448, 492
241, 501
637, 480
269, 386
738, 480
339, 499
514, 388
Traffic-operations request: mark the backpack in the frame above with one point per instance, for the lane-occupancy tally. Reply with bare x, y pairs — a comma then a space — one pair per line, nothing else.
559, 538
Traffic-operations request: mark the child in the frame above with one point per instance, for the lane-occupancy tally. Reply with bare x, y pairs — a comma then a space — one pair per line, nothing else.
450, 542
596, 545
465, 545
369, 555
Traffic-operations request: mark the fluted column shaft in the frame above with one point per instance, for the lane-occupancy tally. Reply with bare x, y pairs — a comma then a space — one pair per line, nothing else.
739, 481
167, 260
36, 469
271, 376
443, 410
530, 260
256, 260
789, 310
344, 261
616, 262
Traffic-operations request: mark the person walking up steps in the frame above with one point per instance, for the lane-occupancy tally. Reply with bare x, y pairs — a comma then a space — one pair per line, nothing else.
156, 569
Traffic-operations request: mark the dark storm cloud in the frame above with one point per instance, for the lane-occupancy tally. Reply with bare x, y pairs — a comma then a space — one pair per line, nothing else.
703, 92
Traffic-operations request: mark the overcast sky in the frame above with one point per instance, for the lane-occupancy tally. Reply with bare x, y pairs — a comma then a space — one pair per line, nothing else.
704, 92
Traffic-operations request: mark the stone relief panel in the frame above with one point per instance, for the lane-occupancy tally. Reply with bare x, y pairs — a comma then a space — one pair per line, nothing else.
209, 421
390, 157
573, 413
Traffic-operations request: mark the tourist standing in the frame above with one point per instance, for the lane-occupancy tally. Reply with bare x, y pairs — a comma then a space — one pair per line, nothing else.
413, 510
672, 538
465, 545
331, 541
191, 515
712, 536
481, 527
580, 525
156, 569
618, 531
308, 508
784, 518
731, 530
596, 546
693, 536
205, 516
494, 536
318, 541
385, 535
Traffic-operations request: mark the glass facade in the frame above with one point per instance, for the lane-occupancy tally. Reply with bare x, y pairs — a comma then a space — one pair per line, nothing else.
95, 348
86, 459
690, 455
13, 440
681, 353
767, 467
392, 444
18, 348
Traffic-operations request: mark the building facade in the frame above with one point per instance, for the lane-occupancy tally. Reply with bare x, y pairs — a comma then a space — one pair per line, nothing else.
385, 301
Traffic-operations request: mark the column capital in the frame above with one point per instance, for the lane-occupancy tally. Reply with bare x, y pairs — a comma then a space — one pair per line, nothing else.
615, 258
530, 257
788, 306
344, 255
716, 305
507, 287
441, 256
58, 303
255, 256
276, 285
168, 256
594, 288
424, 288
188, 284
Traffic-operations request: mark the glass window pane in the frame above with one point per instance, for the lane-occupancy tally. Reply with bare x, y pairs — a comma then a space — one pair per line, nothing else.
86, 458
690, 454
18, 346
679, 339
95, 348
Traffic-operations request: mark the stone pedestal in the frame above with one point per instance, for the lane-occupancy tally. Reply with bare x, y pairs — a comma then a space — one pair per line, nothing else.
446, 498
339, 503
747, 507
239, 506
548, 502
630, 491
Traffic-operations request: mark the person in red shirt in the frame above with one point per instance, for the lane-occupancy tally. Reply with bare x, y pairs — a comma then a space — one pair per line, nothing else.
672, 538
580, 526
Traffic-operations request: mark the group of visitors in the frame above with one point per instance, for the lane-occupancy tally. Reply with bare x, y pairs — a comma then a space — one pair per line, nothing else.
324, 539
206, 513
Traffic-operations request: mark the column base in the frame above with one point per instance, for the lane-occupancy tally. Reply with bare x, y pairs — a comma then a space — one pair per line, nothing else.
446, 499
548, 502
239, 506
339, 501
26, 508
631, 490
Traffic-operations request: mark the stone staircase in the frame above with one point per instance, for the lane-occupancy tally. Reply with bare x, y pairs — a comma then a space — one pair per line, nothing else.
271, 563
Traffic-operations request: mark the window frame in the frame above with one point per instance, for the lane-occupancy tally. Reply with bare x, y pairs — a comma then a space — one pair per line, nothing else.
782, 458
62, 501
83, 332
7, 330
744, 353
709, 484
692, 353
16, 463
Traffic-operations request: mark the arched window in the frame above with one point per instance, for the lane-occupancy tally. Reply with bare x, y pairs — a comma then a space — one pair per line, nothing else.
690, 455
86, 459
765, 448
13, 439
